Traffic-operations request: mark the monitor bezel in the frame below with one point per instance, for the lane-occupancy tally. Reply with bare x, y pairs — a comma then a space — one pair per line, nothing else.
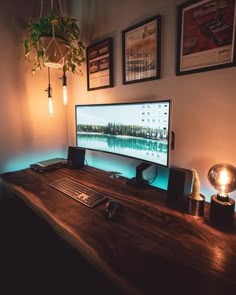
129, 103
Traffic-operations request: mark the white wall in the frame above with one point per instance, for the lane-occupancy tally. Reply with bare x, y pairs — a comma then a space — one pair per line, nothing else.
27, 132
203, 104
203, 110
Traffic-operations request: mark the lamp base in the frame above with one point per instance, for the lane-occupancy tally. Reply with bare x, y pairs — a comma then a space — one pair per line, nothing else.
222, 213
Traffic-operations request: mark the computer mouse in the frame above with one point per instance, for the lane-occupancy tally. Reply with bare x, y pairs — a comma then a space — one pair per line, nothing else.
111, 208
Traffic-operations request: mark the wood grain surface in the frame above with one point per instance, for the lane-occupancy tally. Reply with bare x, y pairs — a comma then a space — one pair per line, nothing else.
147, 248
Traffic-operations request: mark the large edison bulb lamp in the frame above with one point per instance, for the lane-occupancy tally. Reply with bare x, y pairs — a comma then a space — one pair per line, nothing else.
223, 178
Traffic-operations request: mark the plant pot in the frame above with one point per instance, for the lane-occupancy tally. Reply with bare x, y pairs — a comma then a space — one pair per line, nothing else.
54, 51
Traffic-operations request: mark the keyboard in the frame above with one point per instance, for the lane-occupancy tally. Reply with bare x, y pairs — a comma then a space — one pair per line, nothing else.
79, 192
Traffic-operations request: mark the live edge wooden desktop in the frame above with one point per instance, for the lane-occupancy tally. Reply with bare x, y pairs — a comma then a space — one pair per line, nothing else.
147, 248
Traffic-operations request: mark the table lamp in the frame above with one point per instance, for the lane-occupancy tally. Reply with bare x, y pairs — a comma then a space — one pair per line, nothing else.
223, 178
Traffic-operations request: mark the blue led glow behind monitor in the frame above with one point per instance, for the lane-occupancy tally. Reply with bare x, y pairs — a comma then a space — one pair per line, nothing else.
139, 130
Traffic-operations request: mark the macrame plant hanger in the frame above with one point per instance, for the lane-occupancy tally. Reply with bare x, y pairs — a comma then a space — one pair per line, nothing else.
54, 48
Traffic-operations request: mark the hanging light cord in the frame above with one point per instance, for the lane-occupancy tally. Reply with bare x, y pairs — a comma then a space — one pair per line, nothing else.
64, 79
49, 85
49, 76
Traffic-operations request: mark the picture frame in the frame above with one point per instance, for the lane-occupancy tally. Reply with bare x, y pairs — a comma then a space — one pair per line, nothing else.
141, 51
100, 64
205, 36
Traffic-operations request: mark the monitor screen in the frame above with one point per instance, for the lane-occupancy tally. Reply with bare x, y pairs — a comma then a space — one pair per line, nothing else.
139, 130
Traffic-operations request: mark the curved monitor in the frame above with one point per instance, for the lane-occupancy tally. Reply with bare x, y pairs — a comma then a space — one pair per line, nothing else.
139, 130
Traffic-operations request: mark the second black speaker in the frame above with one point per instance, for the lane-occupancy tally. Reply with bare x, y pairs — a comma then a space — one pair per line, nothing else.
179, 186
75, 158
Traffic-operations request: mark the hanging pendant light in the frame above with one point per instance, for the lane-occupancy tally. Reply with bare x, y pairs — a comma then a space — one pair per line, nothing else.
64, 89
49, 91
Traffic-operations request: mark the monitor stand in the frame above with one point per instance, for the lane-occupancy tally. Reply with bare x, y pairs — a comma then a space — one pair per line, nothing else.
139, 181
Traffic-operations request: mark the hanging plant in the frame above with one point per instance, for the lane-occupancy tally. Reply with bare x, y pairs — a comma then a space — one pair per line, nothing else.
59, 35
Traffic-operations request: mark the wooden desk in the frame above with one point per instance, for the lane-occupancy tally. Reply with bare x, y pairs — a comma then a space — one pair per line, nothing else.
147, 248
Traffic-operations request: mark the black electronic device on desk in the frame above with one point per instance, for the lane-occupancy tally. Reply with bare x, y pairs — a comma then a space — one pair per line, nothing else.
110, 209
48, 165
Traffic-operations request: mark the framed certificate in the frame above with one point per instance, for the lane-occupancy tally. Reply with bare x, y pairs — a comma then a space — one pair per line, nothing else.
141, 51
100, 65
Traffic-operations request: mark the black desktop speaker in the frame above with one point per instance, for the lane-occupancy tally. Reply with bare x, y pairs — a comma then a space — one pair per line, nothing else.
179, 186
75, 158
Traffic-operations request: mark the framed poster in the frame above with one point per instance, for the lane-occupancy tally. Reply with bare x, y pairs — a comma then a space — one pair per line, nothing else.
100, 65
141, 51
206, 36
